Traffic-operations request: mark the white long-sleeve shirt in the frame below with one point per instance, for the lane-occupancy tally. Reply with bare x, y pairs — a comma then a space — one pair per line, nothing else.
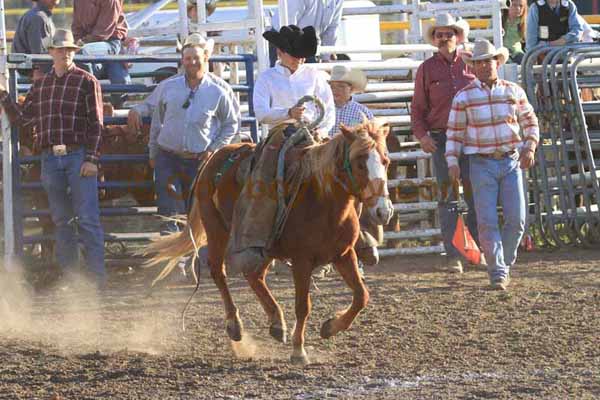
277, 90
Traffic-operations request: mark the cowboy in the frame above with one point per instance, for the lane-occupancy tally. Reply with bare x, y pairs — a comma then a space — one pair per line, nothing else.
344, 82
100, 27
197, 114
485, 124
438, 79
33, 32
554, 22
276, 92
65, 106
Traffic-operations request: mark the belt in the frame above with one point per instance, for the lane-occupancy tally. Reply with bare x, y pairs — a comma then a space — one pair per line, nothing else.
188, 155
437, 131
498, 155
61, 150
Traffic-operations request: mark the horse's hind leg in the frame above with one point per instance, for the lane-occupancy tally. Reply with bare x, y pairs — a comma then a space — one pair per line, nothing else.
347, 266
257, 281
302, 273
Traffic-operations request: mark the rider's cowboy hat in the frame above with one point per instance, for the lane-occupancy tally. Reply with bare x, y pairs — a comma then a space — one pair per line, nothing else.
484, 50
352, 76
446, 20
196, 39
63, 38
299, 43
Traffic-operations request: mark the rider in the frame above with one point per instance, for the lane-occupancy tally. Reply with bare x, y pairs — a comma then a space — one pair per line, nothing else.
276, 92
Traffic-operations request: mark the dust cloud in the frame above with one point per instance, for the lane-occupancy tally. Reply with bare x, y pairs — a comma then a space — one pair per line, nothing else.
78, 320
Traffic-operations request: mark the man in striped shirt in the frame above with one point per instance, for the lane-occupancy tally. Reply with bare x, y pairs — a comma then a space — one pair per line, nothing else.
65, 107
485, 123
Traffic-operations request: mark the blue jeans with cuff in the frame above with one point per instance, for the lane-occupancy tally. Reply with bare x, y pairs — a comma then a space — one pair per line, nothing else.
74, 208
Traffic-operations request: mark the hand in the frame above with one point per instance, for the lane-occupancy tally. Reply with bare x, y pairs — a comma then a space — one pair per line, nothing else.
428, 144
527, 158
151, 163
454, 173
88, 169
296, 112
558, 42
134, 122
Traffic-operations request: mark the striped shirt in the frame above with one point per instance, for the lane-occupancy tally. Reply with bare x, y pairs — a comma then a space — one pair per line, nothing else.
484, 120
350, 114
64, 110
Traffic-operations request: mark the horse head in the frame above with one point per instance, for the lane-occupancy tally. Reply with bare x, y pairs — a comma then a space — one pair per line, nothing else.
365, 163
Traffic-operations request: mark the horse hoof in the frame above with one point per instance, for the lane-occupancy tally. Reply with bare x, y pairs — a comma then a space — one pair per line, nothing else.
278, 333
299, 359
234, 331
327, 329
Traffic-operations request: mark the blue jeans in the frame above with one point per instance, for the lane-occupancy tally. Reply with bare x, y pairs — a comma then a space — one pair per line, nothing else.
115, 72
446, 196
173, 177
495, 180
73, 201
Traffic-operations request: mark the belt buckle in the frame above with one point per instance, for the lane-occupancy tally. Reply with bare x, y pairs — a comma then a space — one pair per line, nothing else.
59, 149
498, 155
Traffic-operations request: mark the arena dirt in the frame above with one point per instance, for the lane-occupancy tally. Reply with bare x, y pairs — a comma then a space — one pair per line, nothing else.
426, 334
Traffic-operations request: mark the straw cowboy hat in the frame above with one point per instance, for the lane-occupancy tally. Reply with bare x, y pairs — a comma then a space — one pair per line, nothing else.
299, 43
352, 76
196, 39
63, 38
446, 20
484, 50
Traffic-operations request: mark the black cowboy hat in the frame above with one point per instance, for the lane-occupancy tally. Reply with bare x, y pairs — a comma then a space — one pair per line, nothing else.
299, 43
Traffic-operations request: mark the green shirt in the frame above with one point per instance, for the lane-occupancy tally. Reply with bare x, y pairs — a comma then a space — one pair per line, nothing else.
512, 37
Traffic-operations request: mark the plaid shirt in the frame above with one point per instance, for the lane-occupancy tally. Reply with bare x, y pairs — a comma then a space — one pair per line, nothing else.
484, 120
350, 114
65, 110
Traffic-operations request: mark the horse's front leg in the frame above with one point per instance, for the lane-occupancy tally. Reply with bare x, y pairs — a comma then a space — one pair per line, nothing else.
347, 266
302, 273
257, 281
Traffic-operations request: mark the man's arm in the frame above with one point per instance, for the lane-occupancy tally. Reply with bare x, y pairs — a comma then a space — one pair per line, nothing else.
575, 28
329, 32
93, 105
36, 32
19, 115
455, 134
533, 27
527, 121
419, 106
230, 124
261, 99
106, 22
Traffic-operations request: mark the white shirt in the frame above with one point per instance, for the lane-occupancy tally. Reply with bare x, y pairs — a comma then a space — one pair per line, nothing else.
277, 90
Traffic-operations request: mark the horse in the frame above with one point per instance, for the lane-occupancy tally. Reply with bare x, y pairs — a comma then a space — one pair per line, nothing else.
322, 226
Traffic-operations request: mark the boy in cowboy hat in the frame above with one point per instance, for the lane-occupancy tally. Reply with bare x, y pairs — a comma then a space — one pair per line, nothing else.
65, 106
343, 82
276, 92
438, 79
485, 124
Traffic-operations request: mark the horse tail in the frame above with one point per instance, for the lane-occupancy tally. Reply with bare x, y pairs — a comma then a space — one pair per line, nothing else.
176, 245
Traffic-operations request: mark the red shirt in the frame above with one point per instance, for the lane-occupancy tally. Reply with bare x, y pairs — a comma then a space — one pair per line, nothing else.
102, 19
64, 110
436, 84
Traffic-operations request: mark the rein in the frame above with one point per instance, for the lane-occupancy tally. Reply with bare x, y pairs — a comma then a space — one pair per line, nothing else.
347, 168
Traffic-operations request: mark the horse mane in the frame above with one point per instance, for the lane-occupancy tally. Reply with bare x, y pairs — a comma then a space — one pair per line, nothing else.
322, 161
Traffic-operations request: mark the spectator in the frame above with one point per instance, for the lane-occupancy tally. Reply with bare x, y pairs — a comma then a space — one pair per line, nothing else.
343, 82
33, 33
323, 15
198, 114
65, 106
485, 124
514, 25
99, 26
438, 79
553, 22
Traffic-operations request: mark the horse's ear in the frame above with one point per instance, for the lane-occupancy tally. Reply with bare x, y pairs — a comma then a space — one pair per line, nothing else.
349, 133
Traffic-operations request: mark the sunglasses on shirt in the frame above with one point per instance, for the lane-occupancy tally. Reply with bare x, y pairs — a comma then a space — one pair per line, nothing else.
190, 97
447, 35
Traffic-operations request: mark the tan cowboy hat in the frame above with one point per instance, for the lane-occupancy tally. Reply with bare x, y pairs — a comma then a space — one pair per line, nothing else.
446, 20
484, 50
196, 39
353, 76
63, 38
